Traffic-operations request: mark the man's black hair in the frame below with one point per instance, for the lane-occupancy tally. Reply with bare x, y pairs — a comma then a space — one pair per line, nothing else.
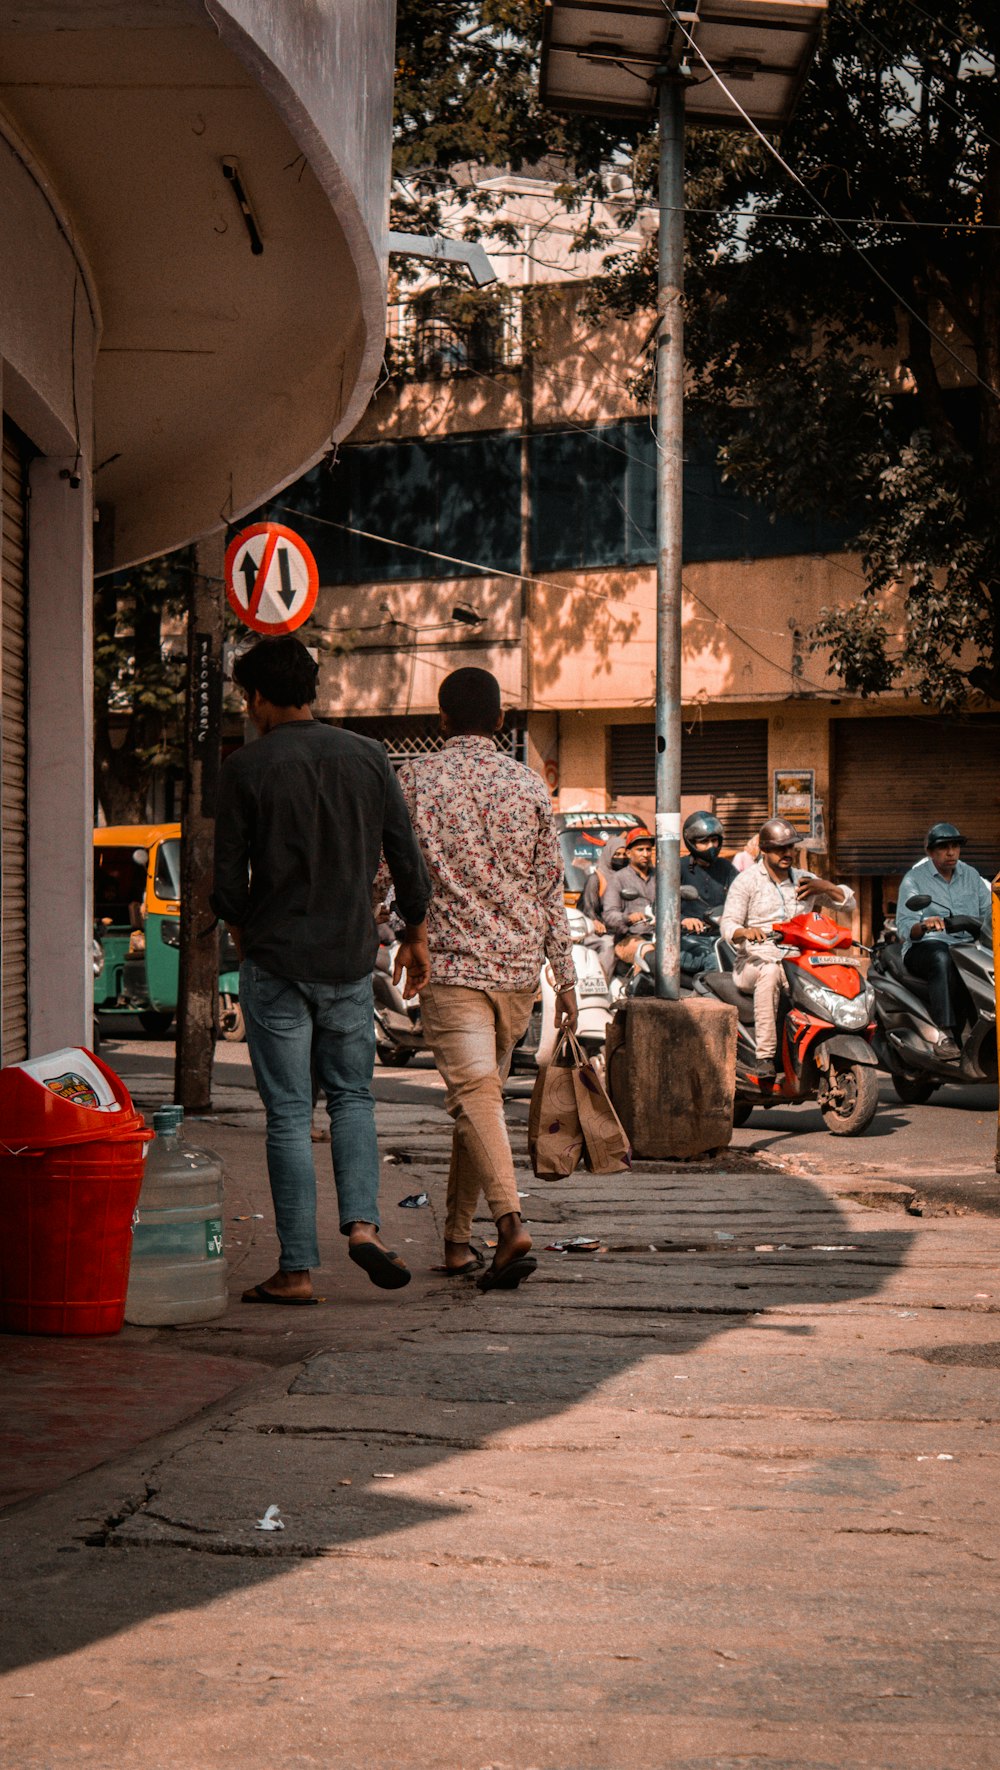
471, 699
279, 669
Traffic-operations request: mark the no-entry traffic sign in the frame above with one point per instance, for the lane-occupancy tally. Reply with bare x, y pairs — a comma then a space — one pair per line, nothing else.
271, 578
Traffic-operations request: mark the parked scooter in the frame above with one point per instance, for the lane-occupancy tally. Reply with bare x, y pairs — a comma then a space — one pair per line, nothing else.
592, 995
399, 1031
398, 1028
907, 1041
826, 1021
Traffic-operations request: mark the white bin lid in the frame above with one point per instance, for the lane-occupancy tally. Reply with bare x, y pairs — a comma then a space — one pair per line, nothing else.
74, 1076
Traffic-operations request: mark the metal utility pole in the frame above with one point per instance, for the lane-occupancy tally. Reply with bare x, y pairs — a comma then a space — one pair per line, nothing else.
669, 532
198, 996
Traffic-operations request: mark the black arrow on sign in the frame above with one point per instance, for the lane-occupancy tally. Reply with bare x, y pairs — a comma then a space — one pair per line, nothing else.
287, 593
249, 571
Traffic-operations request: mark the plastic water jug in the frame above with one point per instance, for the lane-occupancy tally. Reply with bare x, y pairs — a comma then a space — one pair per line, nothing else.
179, 1271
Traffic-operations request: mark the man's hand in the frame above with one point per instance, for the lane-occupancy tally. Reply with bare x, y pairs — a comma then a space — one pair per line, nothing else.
751, 934
599, 927
566, 1009
692, 926
810, 886
414, 958
639, 916
931, 925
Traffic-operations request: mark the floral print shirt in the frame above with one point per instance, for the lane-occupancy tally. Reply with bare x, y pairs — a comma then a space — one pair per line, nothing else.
485, 827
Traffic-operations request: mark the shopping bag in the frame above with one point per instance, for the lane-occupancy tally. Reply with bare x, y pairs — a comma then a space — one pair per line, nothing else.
606, 1148
555, 1137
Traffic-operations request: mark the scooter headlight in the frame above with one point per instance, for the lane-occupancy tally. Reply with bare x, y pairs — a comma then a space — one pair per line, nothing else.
846, 1011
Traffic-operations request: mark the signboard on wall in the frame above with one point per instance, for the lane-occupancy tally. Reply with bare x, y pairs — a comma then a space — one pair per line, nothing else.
794, 799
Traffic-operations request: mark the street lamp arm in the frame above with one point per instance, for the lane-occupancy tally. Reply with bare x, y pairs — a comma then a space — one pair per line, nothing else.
441, 251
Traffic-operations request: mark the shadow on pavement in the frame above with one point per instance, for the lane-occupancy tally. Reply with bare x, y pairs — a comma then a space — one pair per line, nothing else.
685, 1256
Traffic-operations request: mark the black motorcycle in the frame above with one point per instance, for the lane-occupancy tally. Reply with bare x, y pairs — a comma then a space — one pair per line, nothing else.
908, 1042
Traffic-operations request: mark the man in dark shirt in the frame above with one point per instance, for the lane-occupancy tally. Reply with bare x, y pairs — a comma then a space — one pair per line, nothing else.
711, 878
303, 816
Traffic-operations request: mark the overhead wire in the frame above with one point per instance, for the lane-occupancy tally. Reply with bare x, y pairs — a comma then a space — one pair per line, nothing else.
564, 590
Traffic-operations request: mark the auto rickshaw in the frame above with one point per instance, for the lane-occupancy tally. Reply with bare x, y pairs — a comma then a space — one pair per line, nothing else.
137, 885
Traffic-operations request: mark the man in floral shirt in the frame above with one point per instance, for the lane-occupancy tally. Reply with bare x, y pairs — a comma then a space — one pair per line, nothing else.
485, 827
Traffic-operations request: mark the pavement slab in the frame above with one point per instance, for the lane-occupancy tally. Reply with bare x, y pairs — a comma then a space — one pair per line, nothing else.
719, 1495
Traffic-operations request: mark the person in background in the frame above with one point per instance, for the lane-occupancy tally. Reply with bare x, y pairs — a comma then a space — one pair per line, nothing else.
954, 889
630, 897
484, 824
302, 817
748, 855
772, 890
706, 873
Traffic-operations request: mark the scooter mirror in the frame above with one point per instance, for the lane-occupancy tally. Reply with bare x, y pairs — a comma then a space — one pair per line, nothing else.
689, 894
917, 903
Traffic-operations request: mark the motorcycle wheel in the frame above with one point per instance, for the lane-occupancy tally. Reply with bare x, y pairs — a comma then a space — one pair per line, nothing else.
391, 1056
741, 1112
153, 1022
910, 1091
854, 1111
232, 1025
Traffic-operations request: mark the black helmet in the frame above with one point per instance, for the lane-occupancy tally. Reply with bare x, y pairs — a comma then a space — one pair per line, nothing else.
939, 834
778, 833
701, 824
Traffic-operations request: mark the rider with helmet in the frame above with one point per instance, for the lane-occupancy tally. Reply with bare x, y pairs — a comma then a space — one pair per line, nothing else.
629, 906
711, 878
954, 889
770, 891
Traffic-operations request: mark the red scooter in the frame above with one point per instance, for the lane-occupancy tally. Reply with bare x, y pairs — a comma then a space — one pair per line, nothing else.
826, 1022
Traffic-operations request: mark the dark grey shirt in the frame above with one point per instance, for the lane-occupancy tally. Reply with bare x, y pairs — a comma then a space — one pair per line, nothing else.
627, 891
303, 817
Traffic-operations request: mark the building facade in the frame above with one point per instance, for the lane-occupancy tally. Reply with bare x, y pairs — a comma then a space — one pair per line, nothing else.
193, 199
496, 506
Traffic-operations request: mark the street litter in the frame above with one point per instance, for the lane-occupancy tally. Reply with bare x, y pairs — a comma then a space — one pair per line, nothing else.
764, 1247
414, 1200
943, 1456
383, 1475
398, 1155
833, 1247
723, 1235
577, 1244
270, 1520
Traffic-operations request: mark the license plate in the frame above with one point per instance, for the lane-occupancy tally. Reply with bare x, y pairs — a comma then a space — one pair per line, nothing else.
832, 959
590, 988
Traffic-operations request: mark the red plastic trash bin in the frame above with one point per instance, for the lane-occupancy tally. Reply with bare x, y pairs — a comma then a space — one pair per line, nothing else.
72, 1148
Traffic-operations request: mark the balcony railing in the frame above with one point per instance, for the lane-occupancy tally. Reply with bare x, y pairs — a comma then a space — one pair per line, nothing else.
440, 333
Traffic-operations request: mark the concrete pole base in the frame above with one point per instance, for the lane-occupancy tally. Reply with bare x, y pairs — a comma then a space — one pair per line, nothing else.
671, 1069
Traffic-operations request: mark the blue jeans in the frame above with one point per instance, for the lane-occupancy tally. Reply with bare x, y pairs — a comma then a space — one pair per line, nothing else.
291, 1028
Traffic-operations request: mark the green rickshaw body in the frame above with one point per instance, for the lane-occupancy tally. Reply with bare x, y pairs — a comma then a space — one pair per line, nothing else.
137, 925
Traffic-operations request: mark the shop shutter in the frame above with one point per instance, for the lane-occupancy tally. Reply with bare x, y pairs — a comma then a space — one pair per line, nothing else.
723, 761
13, 753
893, 778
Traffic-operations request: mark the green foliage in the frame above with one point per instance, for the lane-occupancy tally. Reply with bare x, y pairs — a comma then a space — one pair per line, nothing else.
792, 331
138, 685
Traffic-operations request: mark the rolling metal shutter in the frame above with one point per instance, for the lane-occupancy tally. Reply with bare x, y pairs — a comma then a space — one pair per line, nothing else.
723, 761
13, 753
893, 778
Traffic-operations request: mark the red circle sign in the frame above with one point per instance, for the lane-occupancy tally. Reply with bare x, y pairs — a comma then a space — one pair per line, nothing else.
272, 579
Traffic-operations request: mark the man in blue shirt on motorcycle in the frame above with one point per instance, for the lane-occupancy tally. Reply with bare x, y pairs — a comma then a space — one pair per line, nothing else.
954, 889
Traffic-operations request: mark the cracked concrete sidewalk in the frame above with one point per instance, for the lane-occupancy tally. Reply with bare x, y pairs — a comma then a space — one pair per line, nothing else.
719, 1493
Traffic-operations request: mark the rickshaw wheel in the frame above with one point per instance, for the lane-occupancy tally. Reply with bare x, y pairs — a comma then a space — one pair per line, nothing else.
152, 1021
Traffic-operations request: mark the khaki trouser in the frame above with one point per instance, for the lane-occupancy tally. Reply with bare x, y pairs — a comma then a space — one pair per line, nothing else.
762, 978
472, 1033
